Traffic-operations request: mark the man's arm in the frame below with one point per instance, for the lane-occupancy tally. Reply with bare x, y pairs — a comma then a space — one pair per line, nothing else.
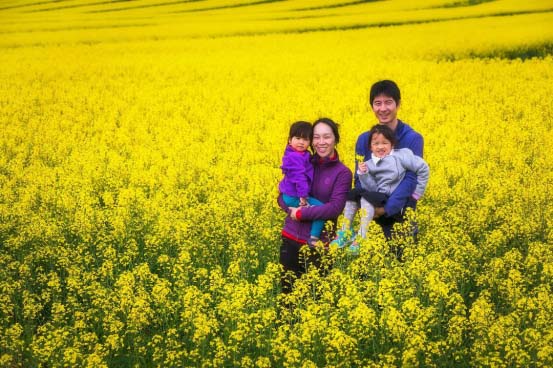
417, 165
361, 149
404, 191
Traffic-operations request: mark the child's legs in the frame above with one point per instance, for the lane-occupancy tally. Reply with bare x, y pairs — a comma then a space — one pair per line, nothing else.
290, 200
367, 215
352, 205
317, 226
314, 201
349, 213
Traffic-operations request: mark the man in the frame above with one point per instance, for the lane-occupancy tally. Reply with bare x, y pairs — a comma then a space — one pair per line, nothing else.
385, 98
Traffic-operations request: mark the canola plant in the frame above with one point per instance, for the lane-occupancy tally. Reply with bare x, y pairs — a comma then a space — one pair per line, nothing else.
139, 161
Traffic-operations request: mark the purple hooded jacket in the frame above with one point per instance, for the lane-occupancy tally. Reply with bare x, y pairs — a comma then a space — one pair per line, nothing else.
331, 184
298, 173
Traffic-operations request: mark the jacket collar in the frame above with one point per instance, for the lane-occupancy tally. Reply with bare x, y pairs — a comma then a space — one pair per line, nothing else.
326, 160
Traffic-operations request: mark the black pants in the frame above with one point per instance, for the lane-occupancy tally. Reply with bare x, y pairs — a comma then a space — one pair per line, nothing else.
387, 223
375, 198
296, 262
378, 200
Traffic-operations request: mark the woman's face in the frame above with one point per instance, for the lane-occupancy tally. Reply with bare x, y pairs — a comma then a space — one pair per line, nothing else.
324, 141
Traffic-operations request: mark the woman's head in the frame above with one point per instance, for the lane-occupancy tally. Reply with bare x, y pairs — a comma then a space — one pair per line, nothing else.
300, 135
325, 137
382, 140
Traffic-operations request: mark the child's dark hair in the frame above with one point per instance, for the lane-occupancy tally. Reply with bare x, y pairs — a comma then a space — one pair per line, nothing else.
387, 88
333, 126
386, 131
301, 129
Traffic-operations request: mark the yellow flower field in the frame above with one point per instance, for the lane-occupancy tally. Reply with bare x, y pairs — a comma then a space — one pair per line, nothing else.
139, 161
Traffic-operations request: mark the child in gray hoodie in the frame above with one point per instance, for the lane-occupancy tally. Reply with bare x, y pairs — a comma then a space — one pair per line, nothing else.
379, 177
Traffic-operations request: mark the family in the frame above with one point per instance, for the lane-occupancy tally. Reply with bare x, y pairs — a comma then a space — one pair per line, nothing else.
390, 176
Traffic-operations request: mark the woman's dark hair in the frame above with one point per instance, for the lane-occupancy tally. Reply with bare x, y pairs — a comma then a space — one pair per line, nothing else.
333, 126
301, 129
386, 131
386, 88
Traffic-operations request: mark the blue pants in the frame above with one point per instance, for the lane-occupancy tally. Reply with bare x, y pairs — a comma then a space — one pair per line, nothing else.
316, 225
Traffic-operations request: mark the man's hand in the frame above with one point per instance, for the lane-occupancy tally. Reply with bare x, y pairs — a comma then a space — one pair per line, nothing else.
379, 211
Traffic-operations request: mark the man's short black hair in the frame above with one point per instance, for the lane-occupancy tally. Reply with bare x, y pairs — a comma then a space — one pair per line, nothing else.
385, 87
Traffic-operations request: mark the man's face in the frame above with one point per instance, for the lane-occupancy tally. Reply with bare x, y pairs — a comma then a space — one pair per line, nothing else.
385, 109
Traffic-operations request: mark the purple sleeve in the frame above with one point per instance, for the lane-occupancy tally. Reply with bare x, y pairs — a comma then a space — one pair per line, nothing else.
335, 205
282, 205
294, 167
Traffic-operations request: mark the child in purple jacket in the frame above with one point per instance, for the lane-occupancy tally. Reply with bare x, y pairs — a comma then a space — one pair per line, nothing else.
298, 174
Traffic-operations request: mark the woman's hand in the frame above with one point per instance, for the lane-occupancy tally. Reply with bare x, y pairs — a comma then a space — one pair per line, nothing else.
293, 211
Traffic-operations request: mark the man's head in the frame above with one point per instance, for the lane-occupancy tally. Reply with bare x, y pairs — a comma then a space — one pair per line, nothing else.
385, 98
388, 88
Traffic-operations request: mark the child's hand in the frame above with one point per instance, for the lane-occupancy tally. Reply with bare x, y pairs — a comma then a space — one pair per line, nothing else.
363, 169
303, 202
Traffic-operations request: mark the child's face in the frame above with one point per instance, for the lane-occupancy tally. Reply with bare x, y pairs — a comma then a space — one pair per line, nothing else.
380, 146
299, 143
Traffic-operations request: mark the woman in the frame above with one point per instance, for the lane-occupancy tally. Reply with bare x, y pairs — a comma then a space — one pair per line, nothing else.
331, 184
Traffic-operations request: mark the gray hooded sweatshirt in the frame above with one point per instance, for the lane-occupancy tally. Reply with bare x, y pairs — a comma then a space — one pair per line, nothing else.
386, 173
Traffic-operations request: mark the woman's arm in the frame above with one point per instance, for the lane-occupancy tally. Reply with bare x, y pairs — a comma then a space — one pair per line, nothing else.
282, 205
335, 205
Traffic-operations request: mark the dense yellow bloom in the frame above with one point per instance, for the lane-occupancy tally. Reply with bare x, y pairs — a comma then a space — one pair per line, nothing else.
139, 161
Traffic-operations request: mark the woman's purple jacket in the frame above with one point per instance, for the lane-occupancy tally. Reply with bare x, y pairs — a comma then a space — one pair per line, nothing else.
298, 173
331, 183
